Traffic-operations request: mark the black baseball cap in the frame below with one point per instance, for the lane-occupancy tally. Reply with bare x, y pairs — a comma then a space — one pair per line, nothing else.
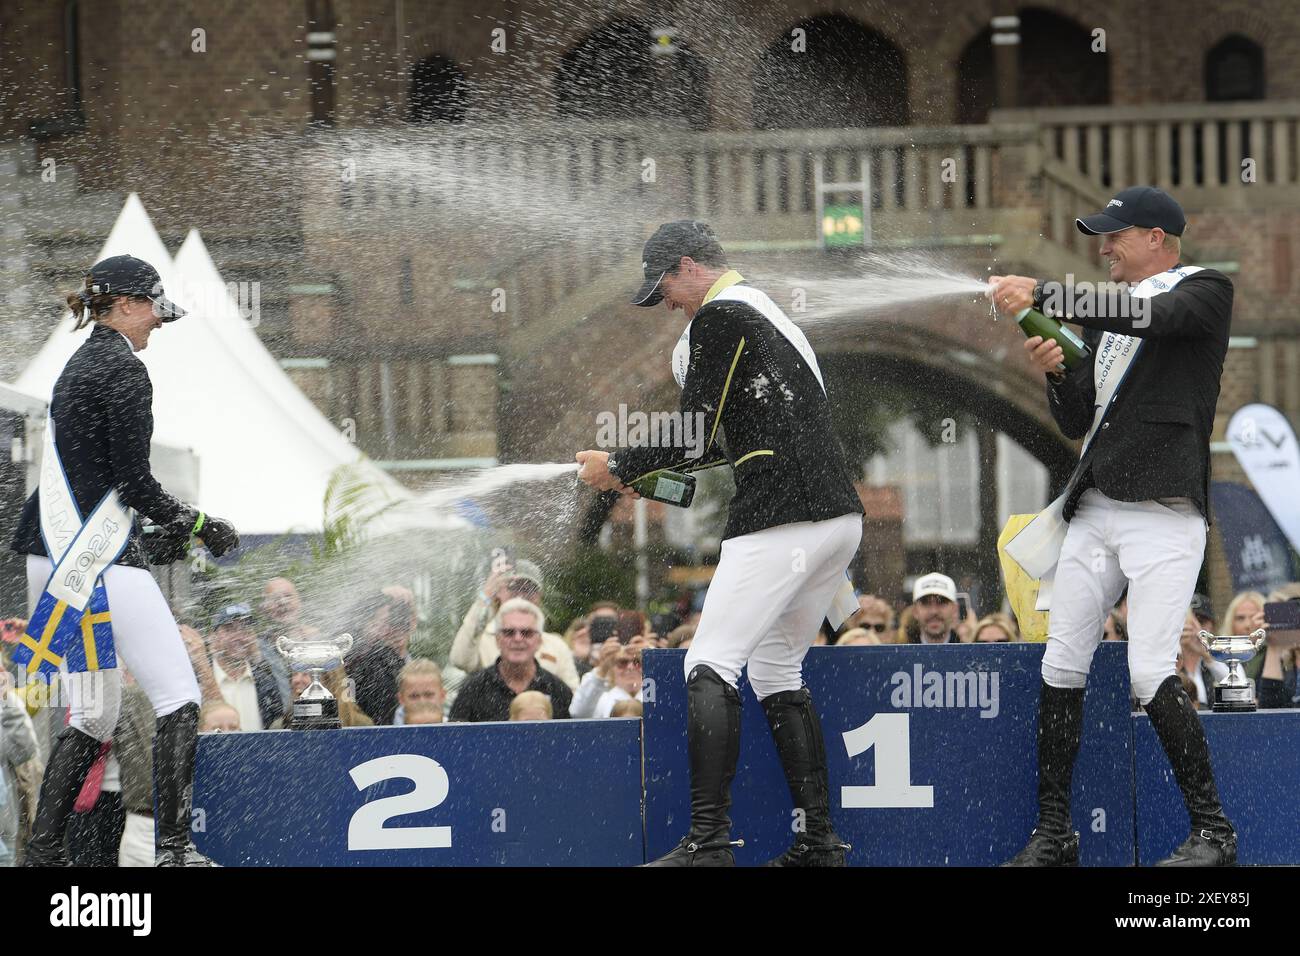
1143, 206
664, 250
127, 275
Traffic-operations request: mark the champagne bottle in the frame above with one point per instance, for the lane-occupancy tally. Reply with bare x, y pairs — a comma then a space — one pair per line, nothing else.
1032, 322
671, 487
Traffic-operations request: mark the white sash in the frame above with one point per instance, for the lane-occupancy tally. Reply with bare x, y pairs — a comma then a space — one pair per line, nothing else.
1037, 547
80, 551
765, 307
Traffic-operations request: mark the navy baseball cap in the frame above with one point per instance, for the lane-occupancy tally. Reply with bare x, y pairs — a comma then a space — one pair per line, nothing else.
1143, 206
664, 250
232, 612
127, 275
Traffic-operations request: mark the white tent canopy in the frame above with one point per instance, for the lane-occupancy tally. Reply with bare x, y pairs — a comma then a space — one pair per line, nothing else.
265, 452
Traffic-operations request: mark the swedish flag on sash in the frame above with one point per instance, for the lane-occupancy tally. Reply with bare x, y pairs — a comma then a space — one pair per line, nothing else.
57, 631
71, 622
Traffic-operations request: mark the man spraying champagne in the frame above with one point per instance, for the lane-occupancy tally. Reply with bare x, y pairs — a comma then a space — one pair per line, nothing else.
792, 528
1134, 511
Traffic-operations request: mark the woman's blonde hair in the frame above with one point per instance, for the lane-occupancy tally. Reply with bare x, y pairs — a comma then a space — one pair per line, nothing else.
531, 698
87, 306
1236, 602
854, 633
997, 619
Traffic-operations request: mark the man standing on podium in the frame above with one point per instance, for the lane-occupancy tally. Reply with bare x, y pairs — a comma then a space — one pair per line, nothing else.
1134, 510
792, 528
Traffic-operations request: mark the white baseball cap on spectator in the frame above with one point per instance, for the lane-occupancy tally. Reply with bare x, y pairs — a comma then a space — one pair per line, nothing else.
935, 583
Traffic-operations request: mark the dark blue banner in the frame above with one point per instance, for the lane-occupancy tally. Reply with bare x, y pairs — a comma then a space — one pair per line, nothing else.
1256, 761
530, 793
1258, 555
932, 754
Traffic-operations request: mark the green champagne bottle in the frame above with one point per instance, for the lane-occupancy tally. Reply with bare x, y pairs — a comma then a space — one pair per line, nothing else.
671, 487
1032, 322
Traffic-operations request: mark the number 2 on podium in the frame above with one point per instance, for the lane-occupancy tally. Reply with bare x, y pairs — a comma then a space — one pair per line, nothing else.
890, 734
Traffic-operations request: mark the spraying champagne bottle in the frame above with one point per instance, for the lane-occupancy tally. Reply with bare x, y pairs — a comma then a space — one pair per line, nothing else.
1032, 322
671, 487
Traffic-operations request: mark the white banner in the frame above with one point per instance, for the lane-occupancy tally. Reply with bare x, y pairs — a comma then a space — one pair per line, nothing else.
1265, 445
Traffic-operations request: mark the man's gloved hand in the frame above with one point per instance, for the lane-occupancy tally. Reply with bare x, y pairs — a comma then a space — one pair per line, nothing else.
164, 548
218, 535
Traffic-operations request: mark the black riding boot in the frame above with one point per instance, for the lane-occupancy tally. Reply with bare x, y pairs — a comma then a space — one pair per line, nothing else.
1213, 842
713, 737
173, 785
1060, 725
798, 736
70, 761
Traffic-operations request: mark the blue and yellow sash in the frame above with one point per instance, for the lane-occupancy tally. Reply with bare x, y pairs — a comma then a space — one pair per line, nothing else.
71, 622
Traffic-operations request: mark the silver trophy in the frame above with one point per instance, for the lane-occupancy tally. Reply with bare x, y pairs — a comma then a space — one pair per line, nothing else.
1236, 692
316, 708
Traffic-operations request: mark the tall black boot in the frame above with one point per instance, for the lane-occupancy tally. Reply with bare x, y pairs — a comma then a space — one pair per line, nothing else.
173, 785
713, 737
798, 736
1060, 725
70, 761
1213, 841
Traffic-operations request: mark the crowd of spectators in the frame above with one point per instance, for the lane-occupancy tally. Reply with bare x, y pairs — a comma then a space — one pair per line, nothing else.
504, 664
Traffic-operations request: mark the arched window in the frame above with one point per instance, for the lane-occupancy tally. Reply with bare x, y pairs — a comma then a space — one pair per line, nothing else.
621, 72
438, 92
830, 71
1234, 70
1055, 67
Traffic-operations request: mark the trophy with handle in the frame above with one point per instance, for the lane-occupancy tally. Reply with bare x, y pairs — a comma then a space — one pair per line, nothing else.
1236, 692
316, 708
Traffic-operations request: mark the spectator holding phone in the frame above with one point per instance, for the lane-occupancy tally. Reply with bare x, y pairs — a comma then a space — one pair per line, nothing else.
1274, 671
578, 637
598, 681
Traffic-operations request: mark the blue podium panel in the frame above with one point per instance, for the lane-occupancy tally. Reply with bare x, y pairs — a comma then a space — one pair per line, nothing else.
529, 793
1256, 760
932, 755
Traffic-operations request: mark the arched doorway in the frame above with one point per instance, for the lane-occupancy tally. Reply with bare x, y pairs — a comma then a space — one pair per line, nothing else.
830, 71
